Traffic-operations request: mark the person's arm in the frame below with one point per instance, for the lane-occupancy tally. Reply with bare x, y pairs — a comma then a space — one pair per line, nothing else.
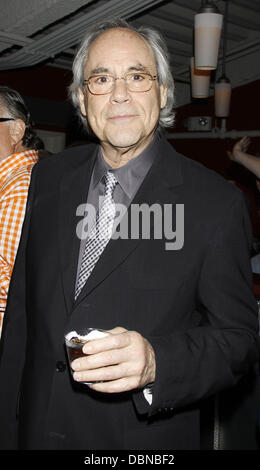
13, 340
203, 360
239, 155
12, 210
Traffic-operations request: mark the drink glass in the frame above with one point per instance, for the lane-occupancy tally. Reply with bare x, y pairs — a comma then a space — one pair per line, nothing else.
75, 340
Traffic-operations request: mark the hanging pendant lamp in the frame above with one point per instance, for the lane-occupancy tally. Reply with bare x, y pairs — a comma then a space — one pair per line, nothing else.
200, 81
223, 86
222, 97
207, 31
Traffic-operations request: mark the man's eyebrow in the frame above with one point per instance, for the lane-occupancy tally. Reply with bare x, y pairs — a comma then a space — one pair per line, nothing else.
138, 68
99, 70
132, 68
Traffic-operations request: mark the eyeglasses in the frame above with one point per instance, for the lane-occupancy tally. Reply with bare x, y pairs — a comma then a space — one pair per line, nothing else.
103, 84
6, 119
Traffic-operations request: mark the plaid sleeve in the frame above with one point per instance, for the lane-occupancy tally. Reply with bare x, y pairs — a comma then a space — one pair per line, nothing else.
12, 211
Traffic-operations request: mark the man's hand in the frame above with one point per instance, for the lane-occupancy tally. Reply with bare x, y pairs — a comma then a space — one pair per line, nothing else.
124, 360
239, 148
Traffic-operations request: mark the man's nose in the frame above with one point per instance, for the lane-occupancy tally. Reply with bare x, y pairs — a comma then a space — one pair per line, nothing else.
120, 91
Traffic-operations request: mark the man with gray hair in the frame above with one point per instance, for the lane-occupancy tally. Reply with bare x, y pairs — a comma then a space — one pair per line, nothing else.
181, 323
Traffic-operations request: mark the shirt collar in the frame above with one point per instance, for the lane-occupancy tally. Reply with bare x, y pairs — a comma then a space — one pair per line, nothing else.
17, 160
130, 175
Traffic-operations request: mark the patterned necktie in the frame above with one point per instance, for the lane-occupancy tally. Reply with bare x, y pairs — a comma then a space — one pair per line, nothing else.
100, 233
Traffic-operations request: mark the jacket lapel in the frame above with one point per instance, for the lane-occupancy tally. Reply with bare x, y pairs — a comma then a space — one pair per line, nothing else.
73, 192
158, 187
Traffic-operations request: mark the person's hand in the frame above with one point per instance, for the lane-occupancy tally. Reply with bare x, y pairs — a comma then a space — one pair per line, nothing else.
240, 147
124, 360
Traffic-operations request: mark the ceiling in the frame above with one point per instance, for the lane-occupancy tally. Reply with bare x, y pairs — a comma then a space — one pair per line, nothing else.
34, 32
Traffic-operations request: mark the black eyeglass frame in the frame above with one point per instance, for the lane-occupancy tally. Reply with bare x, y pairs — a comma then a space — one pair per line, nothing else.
6, 119
86, 82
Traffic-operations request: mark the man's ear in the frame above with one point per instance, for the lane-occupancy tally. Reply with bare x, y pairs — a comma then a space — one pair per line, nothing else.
81, 98
163, 96
17, 130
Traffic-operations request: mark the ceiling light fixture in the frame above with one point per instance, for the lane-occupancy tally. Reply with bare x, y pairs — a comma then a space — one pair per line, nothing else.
200, 81
207, 31
223, 85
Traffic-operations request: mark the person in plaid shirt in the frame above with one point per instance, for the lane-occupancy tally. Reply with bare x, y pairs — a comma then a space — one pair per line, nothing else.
18, 154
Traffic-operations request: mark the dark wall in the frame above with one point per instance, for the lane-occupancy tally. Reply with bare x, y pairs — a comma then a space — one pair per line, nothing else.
45, 90
244, 115
39, 82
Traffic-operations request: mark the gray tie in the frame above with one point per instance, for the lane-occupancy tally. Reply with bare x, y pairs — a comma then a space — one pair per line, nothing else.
100, 233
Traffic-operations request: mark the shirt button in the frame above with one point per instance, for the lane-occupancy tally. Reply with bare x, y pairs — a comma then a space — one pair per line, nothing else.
60, 366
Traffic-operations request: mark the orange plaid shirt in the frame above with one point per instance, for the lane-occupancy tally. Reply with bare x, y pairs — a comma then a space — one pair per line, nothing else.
15, 175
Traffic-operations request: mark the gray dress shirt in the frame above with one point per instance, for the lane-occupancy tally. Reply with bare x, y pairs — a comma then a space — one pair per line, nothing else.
130, 177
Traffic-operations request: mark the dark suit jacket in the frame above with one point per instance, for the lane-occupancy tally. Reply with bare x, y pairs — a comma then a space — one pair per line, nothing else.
195, 305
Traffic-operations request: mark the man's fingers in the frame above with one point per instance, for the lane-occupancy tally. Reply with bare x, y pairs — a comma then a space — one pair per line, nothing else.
102, 359
117, 386
114, 340
107, 373
123, 361
97, 375
117, 330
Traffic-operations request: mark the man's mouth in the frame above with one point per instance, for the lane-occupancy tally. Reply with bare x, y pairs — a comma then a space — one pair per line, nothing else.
122, 116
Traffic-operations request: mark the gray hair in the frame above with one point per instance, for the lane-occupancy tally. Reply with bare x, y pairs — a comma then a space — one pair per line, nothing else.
158, 45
